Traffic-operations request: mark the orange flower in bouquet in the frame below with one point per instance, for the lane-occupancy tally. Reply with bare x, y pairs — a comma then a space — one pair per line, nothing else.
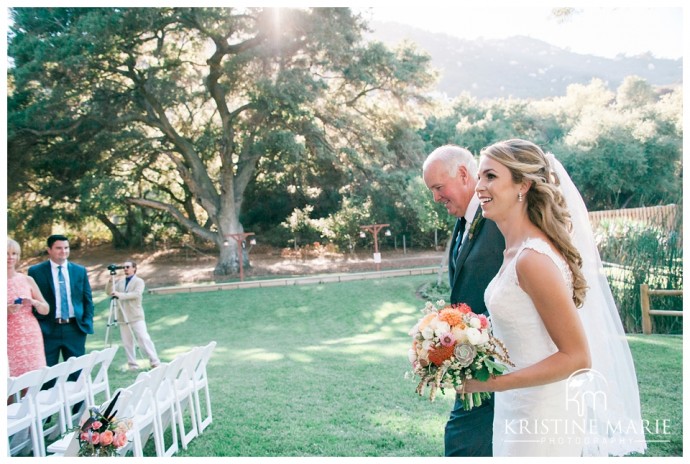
450, 343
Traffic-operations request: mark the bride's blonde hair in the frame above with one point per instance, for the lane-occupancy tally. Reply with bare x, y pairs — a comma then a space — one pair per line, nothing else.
546, 207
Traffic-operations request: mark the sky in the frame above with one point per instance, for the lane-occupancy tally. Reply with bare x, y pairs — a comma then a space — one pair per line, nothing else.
601, 27
602, 31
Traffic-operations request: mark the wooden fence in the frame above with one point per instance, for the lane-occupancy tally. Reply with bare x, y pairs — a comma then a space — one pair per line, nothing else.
647, 313
662, 216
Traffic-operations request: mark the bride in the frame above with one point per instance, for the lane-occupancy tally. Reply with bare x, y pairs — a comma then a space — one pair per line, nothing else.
573, 391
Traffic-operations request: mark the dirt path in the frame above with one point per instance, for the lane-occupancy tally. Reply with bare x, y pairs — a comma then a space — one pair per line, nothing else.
176, 267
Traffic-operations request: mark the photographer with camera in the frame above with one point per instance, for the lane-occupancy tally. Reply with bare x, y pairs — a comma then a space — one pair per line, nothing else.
130, 313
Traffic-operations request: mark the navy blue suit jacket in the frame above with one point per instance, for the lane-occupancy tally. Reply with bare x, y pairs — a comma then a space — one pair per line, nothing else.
80, 290
478, 261
469, 433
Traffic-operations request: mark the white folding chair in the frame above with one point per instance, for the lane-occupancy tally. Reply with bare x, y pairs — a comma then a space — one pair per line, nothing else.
200, 379
77, 391
21, 415
51, 402
98, 381
140, 410
183, 391
164, 402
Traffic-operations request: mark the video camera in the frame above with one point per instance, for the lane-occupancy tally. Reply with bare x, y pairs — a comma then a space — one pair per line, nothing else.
113, 268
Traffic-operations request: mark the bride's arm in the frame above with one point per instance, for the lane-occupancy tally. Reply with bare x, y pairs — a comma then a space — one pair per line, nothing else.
539, 277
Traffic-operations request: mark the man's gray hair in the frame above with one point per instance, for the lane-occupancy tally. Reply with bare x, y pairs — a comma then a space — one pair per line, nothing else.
453, 156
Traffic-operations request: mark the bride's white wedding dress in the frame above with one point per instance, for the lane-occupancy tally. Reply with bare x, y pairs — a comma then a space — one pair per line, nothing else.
535, 421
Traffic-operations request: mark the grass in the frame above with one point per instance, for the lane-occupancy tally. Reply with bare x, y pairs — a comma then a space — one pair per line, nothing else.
319, 370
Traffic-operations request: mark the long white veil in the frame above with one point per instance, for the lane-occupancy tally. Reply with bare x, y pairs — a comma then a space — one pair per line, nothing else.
611, 395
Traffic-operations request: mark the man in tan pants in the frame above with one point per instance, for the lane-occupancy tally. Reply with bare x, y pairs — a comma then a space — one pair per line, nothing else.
129, 291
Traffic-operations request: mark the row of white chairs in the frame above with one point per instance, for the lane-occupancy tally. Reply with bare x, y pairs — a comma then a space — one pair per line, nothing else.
32, 405
166, 398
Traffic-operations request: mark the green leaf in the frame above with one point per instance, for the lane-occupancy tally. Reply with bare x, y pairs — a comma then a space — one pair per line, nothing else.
494, 367
482, 374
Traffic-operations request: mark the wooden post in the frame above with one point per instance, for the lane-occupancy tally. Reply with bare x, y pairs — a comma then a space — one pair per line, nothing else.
644, 303
645, 292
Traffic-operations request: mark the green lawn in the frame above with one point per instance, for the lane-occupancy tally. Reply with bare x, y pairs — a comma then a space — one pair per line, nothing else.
318, 370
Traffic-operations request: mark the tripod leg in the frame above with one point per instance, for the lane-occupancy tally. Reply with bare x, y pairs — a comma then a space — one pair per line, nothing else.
112, 320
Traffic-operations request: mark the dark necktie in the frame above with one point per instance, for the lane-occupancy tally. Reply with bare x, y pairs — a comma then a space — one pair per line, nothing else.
64, 305
458, 240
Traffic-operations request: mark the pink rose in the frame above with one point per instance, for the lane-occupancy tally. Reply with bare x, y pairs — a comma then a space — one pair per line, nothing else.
484, 321
120, 440
84, 436
106, 438
95, 438
96, 425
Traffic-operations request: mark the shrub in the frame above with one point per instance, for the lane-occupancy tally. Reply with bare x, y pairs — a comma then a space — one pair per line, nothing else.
637, 253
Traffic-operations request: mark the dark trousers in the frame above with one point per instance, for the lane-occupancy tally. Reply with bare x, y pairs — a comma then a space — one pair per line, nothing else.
66, 340
470, 433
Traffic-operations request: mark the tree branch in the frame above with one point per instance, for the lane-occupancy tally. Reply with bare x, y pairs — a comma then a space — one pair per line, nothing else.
177, 214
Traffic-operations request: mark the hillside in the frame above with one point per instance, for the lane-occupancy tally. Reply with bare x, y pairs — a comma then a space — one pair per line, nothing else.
521, 67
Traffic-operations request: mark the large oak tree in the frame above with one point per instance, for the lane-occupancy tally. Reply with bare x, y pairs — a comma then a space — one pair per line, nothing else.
173, 109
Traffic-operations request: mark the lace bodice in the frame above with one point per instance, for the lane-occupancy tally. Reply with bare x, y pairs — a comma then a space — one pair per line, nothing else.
513, 314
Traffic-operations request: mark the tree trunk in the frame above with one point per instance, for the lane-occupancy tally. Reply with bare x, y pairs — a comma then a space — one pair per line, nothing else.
228, 263
227, 259
119, 240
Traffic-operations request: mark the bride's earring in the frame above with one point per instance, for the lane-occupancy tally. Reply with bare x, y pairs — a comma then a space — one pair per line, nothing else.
519, 196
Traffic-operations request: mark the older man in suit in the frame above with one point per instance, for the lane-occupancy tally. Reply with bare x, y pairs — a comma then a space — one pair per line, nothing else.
66, 288
476, 254
130, 315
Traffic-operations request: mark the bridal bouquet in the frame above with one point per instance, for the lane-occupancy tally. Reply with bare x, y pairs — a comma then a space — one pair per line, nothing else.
102, 434
450, 343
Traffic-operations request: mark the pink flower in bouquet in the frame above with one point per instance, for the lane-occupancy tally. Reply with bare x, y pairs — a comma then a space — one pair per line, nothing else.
95, 438
447, 339
106, 438
463, 308
120, 440
96, 425
484, 320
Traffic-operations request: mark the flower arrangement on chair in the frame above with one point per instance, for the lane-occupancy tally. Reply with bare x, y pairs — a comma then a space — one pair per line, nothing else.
102, 434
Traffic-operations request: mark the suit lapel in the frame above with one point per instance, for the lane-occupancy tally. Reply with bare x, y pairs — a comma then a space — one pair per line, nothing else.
453, 246
48, 269
466, 246
71, 278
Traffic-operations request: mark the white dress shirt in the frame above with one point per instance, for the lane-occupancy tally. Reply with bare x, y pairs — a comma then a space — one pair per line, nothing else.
56, 284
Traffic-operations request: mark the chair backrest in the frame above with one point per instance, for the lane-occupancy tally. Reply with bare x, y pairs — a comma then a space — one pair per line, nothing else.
191, 360
155, 376
84, 364
31, 382
58, 373
123, 399
207, 351
160, 384
99, 380
137, 392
